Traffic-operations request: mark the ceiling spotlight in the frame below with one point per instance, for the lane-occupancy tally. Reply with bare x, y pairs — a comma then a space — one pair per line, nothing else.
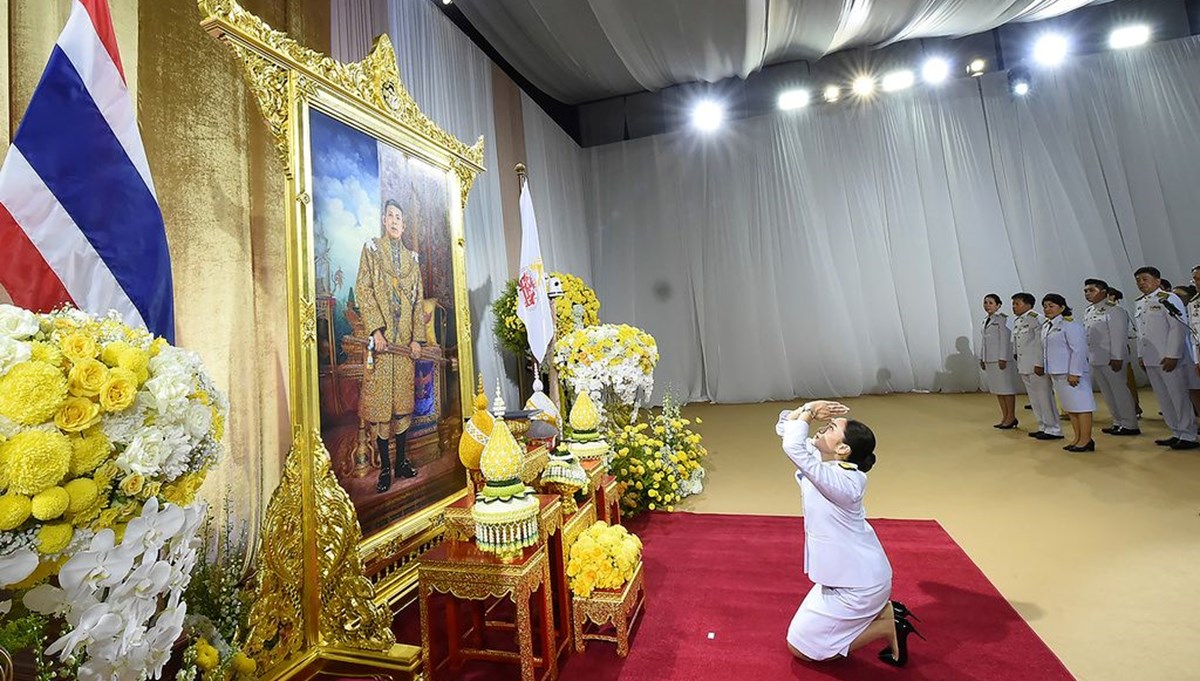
863, 86
976, 67
1129, 36
935, 70
708, 116
1019, 81
1051, 49
793, 99
832, 93
898, 80
447, 2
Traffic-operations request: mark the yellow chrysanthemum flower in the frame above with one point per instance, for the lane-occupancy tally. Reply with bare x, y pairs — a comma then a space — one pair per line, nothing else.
182, 491
244, 664
111, 354
157, 345
77, 414
31, 392
54, 537
78, 346
14, 510
46, 352
137, 361
50, 504
119, 391
87, 377
36, 460
88, 451
82, 493
207, 657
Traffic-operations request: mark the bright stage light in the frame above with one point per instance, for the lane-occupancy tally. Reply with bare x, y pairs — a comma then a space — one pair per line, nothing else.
863, 86
708, 116
1051, 49
976, 67
1020, 88
832, 93
898, 80
793, 99
1019, 81
935, 70
1129, 36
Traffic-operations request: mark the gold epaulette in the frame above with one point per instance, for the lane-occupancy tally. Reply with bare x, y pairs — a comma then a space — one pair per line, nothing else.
1068, 318
848, 466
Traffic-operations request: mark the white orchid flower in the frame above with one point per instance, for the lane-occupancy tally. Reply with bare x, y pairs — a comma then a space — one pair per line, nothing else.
5, 607
16, 566
103, 564
153, 528
97, 631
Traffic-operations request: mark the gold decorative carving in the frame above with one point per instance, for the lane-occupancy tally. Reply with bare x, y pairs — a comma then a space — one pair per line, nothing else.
618, 608
308, 324
375, 79
276, 613
466, 174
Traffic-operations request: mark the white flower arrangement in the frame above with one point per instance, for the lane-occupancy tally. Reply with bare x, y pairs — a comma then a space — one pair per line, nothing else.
608, 357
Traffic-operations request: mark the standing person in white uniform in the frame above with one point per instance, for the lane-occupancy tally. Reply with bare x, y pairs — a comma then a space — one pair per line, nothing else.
995, 355
1107, 328
1193, 340
1162, 348
848, 606
1067, 363
1031, 357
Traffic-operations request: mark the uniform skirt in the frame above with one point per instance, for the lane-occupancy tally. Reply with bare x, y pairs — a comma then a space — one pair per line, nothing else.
1075, 399
1000, 381
830, 618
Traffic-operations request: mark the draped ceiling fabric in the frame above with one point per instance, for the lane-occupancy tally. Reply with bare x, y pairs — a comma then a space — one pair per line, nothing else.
583, 50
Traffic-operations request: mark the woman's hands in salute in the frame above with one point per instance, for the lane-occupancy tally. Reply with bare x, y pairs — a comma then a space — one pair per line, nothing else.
821, 410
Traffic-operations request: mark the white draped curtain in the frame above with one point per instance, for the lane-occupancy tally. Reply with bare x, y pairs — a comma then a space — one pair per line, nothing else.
845, 250
450, 79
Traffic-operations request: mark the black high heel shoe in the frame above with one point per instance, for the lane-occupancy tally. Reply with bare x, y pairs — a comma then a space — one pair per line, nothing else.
1089, 447
901, 610
1007, 426
900, 657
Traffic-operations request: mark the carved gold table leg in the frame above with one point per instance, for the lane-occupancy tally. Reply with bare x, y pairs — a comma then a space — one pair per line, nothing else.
525, 634
577, 617
426, 639
551, 652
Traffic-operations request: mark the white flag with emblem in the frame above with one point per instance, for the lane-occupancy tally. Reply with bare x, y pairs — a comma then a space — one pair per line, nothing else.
533, 307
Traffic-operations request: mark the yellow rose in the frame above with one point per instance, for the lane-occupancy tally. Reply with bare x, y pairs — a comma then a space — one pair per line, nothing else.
54, 537
132, 485
76, 414
78, 346
50, 504
106, 473
87, 377
151, 489
118, 392
14, 510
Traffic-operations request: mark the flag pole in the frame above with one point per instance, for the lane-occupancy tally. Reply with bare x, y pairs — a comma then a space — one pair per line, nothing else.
555, 391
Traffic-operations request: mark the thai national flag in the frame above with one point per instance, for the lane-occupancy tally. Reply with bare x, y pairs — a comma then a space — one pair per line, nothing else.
79, 220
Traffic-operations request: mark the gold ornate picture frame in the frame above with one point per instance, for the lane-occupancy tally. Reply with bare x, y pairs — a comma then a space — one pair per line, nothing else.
326, 584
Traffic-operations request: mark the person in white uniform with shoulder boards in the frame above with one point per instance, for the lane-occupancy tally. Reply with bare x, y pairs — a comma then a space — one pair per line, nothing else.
1162, 348
995, 358
849, 605
1193, 317
1107, 327
1067, 363
1030, 356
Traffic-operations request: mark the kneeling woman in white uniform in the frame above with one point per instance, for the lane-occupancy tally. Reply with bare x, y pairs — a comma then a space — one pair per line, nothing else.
848, 606
1065, 343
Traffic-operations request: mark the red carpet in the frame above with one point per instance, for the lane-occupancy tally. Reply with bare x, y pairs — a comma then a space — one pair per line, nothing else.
741, 578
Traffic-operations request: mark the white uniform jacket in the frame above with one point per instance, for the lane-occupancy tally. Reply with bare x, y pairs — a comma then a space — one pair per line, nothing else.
840, 546
1107, 333
1066, 347
995, 339
1027, 342
1161, 327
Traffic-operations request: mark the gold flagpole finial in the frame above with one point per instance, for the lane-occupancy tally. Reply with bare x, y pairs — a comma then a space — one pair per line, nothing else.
520, 169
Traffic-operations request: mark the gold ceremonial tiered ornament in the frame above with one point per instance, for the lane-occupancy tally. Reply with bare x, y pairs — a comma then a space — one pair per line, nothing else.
505, 510
586, 441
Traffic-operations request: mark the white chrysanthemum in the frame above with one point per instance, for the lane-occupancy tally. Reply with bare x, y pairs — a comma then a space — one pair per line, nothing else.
146, 453
17, 323
198, 421
170, 391
12, 353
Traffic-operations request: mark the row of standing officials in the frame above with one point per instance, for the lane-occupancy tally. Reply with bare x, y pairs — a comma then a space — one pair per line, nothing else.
1059, 356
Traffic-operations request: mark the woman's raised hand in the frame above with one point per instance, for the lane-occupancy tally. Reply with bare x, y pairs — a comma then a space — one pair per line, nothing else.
828, 409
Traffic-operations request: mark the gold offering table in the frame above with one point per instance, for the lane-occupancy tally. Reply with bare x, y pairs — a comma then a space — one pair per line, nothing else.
618, 608
463, 572
604, 488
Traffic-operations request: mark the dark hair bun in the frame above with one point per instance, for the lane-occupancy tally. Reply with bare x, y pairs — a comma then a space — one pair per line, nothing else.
867, 462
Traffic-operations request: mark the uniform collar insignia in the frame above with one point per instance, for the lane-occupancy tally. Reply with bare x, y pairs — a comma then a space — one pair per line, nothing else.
848, 466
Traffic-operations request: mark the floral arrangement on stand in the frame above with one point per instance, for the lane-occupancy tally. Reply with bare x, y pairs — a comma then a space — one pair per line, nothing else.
658, 461
578, 306
603, 557
106, 435
613, 363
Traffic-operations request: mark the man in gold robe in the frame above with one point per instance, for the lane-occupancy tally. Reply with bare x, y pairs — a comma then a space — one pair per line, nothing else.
389, 292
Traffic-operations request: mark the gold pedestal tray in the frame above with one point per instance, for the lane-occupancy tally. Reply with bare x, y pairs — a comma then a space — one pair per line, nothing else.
619, 608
